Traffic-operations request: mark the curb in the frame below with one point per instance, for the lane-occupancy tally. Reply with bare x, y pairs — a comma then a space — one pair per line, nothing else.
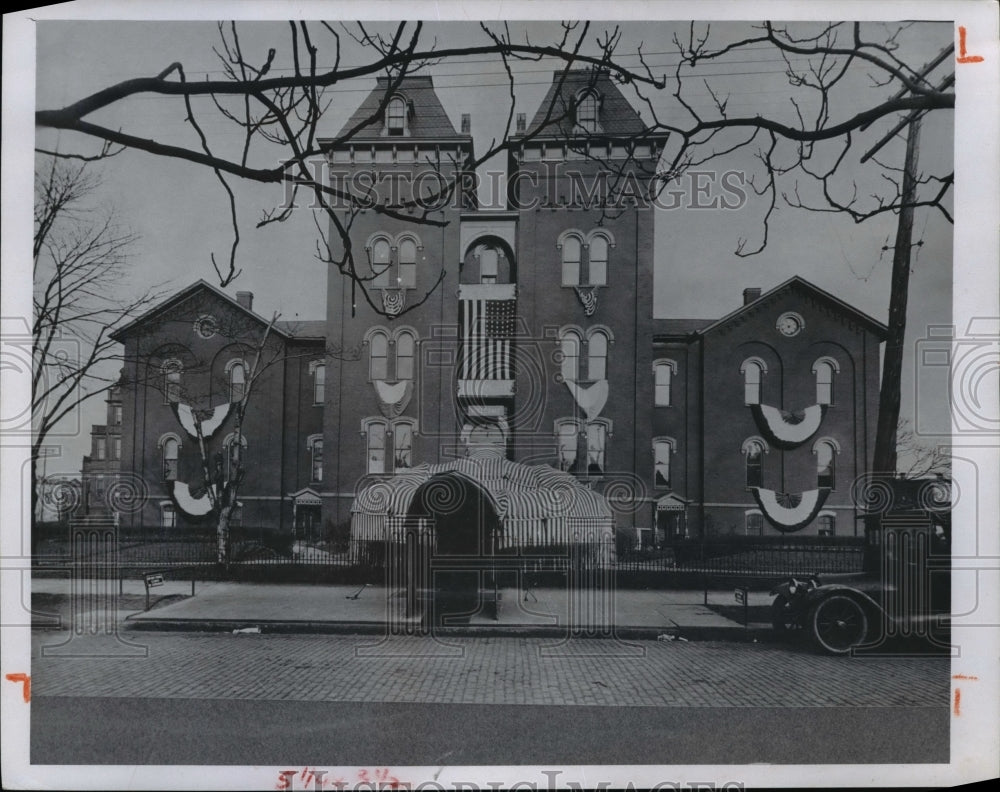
737, 633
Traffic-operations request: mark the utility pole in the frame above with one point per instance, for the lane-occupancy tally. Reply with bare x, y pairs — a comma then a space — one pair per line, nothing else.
892, 365
884, 458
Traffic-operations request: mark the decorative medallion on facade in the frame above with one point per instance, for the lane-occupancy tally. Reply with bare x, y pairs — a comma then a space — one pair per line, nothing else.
588, 298
206, 326
787, 429
790, 324
393, 301
790, 512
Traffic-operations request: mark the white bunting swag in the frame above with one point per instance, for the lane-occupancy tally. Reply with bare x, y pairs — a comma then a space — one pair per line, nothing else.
786, 429
186, 503
591, 399
209, 426
392, 399
800, 511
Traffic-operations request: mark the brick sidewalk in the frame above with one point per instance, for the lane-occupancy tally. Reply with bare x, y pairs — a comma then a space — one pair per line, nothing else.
486, 671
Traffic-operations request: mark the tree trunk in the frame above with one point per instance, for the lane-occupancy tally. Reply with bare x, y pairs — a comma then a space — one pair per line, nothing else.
36, 517
222, 531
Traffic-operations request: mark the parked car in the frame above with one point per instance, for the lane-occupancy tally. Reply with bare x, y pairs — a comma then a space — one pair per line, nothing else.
856, 611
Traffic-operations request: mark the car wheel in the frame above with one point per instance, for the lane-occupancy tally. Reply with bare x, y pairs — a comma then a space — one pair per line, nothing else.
838, 624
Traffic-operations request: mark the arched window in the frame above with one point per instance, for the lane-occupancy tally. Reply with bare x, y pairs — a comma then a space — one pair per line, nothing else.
237, 381
382, 263
753, 370
567, 441
407, 264
586, 112
375, 430
826, 451
754, 449
169, 449
597, 355
663, 447
569, 346
379, 434
827, 523
171, 381
378, 355
235, 454
405, 350
319, 384
597, 443
824, 369
315, 446
395, 116
754, 523
571, 248
663, 373
597, 269
489, 265
402, 444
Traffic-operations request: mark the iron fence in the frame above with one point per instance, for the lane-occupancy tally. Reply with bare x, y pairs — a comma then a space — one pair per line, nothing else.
254, 551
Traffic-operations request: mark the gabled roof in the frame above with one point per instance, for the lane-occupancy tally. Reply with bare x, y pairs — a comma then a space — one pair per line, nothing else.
616, 116
427, 118
203, 285
799, 282
664, 329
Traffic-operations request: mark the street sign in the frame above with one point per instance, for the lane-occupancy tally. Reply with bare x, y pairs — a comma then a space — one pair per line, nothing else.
741, 595
155, 579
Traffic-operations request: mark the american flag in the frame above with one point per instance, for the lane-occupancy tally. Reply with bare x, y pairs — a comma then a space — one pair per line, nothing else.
487, 327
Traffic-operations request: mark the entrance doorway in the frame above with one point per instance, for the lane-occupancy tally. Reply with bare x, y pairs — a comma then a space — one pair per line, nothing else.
464, 527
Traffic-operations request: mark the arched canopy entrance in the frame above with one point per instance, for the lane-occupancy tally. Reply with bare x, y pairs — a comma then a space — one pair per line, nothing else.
463, 514
512, 504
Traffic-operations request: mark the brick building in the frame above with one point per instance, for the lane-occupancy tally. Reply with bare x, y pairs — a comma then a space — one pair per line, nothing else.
525, 335
100, 469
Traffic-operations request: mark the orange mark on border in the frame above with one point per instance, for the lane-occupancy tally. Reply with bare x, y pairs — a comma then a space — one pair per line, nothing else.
963, 676
25, 680
958, 702
962, 57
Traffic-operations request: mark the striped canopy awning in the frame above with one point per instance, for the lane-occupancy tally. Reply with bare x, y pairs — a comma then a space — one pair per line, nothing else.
518, 492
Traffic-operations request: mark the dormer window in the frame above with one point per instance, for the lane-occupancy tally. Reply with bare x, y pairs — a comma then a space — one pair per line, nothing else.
586, 112
395, 116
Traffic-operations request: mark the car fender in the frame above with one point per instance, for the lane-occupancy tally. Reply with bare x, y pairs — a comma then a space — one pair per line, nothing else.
822, 592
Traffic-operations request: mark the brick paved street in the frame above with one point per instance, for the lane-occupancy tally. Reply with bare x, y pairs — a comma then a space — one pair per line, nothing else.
483, 671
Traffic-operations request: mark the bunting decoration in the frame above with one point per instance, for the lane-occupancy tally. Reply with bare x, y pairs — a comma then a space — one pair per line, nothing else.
590, 399
790, 512
209, 426
187, 504
588, 299
392, 301
786, 429
393, 398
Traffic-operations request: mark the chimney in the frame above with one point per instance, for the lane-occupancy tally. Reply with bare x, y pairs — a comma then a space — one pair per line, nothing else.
749, 295
466, 124
245, 299
520, 123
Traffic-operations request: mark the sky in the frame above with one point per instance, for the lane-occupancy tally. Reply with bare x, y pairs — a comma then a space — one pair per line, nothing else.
180, 214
